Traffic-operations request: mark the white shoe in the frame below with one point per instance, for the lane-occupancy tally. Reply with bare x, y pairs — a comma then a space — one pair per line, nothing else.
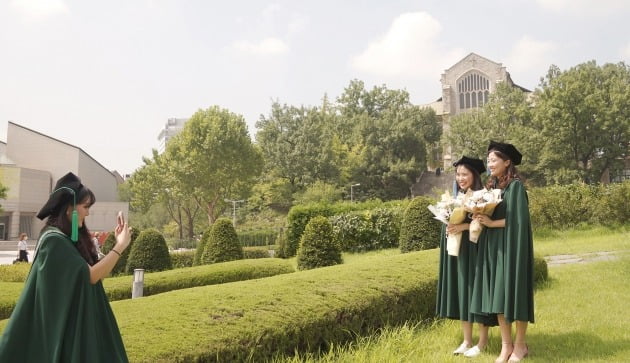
461, 349
472, 352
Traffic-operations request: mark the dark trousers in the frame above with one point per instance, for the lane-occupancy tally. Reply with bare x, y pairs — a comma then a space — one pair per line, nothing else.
23, 256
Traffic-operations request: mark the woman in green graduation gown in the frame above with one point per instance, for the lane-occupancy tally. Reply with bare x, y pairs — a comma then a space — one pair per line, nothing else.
456, 274
504, 277
63, 314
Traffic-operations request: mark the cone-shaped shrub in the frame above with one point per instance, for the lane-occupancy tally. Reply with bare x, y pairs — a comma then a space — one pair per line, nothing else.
317, 245
223, 244
419, 231
149, 252
110, 242
201, 246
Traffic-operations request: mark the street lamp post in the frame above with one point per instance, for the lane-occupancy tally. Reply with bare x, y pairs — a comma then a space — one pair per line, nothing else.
352, 191
234, 209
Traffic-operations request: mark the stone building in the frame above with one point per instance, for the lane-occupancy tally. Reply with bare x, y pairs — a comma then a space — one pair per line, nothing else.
30, 165
466, 86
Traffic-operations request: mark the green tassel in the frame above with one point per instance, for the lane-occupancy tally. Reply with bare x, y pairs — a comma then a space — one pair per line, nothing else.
75, 226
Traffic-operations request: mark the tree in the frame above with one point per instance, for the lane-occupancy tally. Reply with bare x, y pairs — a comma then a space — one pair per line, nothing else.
584, 115
155, 183
222, 244
149, 252
318, 247
213, 158
390, 135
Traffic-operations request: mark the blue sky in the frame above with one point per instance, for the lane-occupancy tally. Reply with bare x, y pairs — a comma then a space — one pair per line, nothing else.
105, 76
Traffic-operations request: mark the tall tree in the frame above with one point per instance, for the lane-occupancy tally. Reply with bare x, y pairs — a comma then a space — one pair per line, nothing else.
390, 135
213, 158
584, 115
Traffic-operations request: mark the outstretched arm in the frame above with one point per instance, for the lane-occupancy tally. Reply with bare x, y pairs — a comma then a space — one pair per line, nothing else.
105, 266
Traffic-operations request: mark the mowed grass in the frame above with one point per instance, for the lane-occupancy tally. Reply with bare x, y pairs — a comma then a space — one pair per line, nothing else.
581, 314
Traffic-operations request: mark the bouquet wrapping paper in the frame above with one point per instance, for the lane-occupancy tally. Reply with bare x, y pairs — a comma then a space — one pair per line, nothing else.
480, 202
450, 210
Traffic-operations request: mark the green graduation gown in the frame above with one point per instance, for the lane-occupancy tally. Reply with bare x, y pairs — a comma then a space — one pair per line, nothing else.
455, 282
60, 316
504, 280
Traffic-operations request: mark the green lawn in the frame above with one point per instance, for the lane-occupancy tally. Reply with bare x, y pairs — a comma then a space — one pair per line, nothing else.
581, 314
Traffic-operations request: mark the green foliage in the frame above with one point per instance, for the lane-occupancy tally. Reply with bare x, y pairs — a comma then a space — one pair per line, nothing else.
119, 288
257, 238
419, 231
319, 192
255, 252
367, 230
223, 244
300, 215
568, 206
201, 246
213, 158
149, 252
318, 247
585, 110
16, 272
182, 259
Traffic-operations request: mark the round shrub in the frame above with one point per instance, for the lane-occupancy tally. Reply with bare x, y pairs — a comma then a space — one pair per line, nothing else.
201, 246
419, 231
223, 244
110, 242
149, 252
317, 245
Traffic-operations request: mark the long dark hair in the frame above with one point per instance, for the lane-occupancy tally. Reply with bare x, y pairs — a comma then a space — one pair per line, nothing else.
503, 181
476, 185
60, 219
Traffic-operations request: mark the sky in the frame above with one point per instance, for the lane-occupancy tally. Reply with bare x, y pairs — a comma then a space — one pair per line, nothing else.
106, 75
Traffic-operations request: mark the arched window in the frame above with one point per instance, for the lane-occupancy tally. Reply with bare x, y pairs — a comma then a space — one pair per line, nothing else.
473, 89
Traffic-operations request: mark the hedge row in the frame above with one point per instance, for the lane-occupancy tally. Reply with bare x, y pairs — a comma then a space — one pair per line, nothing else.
567, 206
367, 230
304, 311
257, 238
119, 288
300, 215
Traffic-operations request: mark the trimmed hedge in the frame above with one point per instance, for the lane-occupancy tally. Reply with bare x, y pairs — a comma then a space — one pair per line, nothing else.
305, 311
119, 288
419, 231
255, 252
14, 273
182, 259
318, 247
201, 246
149, 252
257, 238
367, 230
567, 206
299, 215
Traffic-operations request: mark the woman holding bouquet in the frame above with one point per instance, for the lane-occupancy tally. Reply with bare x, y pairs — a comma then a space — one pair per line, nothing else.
456, 273
504, 277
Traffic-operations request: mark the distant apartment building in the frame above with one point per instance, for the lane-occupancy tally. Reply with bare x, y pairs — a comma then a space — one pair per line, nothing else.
173, 127
30, 165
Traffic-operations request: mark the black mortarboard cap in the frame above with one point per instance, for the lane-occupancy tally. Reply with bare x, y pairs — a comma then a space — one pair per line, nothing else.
507, 149
61, 195
476, 164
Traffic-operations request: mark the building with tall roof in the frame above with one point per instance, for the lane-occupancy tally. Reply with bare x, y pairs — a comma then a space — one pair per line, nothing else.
30, 165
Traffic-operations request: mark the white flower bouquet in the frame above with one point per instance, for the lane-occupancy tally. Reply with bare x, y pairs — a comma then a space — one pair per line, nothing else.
480, 202
450, 210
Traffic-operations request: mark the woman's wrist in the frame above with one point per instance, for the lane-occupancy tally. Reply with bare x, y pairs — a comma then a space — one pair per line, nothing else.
115, 251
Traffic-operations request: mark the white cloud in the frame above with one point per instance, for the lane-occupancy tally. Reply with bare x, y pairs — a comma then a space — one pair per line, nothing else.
583, 7
410, 48
40, 9
267, 46
625, 53
529, 55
